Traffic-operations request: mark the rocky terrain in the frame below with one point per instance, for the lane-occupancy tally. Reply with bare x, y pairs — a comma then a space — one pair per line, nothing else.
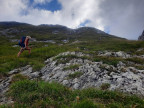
14, 30
76, 71
54, 29
141, 37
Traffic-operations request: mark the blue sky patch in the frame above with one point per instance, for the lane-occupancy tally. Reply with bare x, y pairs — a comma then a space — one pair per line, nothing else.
107, 29
84, 23
52, 6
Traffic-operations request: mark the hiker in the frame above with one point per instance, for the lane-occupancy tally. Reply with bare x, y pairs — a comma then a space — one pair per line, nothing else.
24, 44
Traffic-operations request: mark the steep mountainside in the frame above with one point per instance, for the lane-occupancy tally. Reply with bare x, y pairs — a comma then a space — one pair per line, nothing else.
51, 32
141, 37
69, 68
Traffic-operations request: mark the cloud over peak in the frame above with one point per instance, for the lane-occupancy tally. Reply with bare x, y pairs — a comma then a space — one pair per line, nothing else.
122, 18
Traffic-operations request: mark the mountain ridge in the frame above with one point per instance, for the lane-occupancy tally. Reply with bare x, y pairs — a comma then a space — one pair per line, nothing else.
93, 63
48, 31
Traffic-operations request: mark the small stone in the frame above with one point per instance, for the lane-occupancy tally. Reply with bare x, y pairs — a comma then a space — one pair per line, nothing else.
76, 86
75, 80
13, 71
27, 71
65, 82
34, 75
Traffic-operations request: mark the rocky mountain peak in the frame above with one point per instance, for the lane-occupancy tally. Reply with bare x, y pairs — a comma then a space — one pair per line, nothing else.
141, 37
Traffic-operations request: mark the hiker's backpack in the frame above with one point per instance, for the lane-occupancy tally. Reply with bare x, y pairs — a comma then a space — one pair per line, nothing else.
22, 40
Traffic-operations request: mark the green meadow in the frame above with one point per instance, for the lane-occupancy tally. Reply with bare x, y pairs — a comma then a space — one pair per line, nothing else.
42, 51
33, 94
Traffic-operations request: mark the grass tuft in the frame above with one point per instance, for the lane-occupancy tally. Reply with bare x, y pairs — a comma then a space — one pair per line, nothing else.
105, 86
18, 77
27, 94
71, 67
75, 75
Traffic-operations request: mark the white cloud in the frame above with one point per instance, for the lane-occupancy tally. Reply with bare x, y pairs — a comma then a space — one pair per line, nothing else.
123, 18
72, 14
10, 9
77, 11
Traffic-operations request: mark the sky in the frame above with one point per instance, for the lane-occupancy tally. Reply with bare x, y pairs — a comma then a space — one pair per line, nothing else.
123, 18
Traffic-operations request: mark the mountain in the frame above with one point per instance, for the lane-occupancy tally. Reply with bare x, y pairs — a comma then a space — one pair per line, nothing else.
12, 23
141, 37
92, 70
52, 32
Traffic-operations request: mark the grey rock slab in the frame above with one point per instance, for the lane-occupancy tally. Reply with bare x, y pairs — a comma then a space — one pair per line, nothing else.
34, 75
65, 82
27, 71
76, 86
13, 71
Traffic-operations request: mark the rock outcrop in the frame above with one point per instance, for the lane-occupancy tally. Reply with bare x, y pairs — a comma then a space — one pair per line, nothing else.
141, 37
94, 74
76, 71
120, 54
114, 54
5, 83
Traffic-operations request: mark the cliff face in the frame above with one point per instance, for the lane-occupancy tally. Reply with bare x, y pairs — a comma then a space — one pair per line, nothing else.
141, 37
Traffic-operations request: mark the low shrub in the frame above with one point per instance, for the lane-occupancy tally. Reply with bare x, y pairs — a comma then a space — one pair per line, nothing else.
18, 77
72, 67
75, 75
29, 94
105, 86
136, 60
111, 96
107, 60
114, 105
66, 58
85, 104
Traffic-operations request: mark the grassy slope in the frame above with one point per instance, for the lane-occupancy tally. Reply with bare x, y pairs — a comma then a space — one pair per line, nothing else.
55, 95
9, 60
30, 94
